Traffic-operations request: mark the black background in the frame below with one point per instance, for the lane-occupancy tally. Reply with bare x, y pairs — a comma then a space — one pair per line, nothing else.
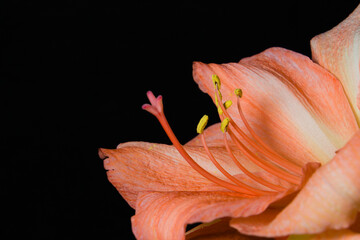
73, 77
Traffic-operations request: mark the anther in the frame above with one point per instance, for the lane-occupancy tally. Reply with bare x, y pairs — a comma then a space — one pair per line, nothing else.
216, 81
224, 125
202, 124
238, 92
227, 104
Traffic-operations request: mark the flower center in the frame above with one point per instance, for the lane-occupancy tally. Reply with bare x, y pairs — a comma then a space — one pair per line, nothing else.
271, 162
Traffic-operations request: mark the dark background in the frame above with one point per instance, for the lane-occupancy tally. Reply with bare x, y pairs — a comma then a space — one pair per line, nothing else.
73, 78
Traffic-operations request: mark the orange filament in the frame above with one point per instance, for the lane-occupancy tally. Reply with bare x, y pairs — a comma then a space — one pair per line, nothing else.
249, 174
269, 154
283, 170
280, 173
192, 163
157, 110
228, 175
256, 137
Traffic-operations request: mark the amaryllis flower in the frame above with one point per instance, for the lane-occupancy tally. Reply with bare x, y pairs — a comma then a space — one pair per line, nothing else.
284, 161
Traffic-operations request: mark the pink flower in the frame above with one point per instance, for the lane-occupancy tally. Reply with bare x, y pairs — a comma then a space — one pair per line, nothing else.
285, 162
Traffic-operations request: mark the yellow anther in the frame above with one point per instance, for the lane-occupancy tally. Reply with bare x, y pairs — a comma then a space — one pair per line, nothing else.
216, 99
216, 81
224, 125
227, 104
202, 124
238, 92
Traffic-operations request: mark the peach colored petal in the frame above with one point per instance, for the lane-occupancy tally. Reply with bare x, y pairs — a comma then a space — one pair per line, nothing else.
139, 166
164, 215
338, 50
295, 105
308, 170
158, 212
329, 200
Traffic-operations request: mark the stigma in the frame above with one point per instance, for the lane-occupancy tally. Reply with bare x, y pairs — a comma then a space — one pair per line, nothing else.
263, 156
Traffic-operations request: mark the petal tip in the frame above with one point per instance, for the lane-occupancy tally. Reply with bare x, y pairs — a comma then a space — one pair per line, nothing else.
101, 153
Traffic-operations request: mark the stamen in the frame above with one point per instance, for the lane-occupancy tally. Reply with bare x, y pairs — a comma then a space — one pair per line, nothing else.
202, 124
227, 104
280, 173
273, 157
216, 81
238, 92
249, 174
220, 111
284, 169
217, 97
225, 173
256, 137
224, 125
156, 108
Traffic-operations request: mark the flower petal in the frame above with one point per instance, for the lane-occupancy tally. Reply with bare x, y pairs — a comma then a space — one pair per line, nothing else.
164, 215
139, 166
338, 50
295, 105
329, 200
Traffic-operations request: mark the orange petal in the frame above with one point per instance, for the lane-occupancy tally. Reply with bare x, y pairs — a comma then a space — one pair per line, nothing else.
220, 228
295, 105
329, 200
139, 166
338, 50
164, 215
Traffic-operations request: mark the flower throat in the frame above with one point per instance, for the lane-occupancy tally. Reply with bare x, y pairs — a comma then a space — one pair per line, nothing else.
275, 164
